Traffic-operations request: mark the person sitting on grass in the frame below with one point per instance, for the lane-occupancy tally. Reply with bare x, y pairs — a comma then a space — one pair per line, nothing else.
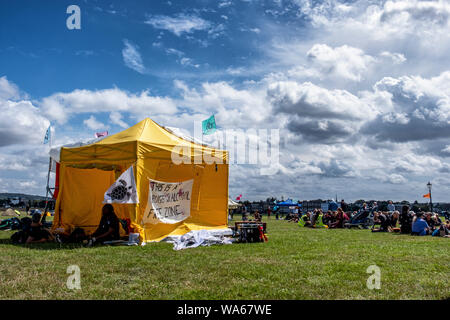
435, 222
341, 218
393, 220
315, 217
405, 220
420, 227
382, 219
292, 217
305, 220
444, 230
429, 220
108, 228
331, 217
38, 234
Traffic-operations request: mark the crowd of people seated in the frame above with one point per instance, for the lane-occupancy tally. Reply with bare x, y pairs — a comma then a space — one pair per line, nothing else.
36, 232
406, 222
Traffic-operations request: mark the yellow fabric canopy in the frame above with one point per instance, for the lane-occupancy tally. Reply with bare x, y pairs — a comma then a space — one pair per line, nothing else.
86, 172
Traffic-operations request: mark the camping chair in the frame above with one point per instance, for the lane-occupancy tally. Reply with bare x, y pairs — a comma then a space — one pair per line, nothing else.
361, 220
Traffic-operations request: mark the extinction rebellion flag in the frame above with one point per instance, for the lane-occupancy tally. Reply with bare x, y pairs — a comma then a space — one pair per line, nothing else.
123, 190
209, 125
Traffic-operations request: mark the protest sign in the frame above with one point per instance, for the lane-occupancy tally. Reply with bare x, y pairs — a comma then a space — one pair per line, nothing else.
168, 202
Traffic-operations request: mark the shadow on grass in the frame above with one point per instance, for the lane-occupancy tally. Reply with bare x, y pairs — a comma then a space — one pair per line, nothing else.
43, 246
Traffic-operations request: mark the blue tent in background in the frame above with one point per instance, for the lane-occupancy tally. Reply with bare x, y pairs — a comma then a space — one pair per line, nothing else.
333, 206
288, 203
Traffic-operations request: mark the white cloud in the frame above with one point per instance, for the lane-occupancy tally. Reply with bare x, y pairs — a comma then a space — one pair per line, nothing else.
188, 62
178, 24
309, 100
60, 106
254, 30
8, 90
344, 61
93, 124
224, 4
116, 118
397, 58
132, 57
20, 122
175, 52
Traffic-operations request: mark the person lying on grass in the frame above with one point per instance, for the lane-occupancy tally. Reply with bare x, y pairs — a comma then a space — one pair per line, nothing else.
38, 234
108, 228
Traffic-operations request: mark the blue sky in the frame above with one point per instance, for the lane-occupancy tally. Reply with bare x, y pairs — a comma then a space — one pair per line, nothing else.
41, 47
358, 89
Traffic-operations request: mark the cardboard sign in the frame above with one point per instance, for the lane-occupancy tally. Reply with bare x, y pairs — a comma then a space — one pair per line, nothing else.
168, 202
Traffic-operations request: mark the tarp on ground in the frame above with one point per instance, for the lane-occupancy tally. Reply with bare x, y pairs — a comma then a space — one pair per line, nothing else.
87, 171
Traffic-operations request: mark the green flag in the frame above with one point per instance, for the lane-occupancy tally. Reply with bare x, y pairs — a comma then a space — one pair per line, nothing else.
209, 125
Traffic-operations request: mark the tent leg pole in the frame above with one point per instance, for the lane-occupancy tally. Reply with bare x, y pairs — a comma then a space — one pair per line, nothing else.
47, 190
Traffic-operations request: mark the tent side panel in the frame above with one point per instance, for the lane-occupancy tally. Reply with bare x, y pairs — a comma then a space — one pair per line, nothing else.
81, 197
209, 201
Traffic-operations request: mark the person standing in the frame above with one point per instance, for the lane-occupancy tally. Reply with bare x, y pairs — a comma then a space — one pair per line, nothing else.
344, 206
390, 206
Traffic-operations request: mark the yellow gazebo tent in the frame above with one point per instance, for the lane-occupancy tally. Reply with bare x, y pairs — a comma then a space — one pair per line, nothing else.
86, 172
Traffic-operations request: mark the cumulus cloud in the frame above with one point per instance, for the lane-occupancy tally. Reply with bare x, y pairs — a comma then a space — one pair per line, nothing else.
60, 106
421, 109
21, 122
321, 131
8, 90
344, 61
309, 100
361, 102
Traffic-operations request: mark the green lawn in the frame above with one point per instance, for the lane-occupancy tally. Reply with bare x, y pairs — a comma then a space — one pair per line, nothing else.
296, 263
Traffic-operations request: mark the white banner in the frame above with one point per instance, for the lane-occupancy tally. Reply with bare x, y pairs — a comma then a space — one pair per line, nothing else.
168, 202
123, 190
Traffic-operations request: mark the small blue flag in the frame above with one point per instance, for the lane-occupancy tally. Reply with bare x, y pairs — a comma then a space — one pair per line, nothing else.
47, 135
209, 125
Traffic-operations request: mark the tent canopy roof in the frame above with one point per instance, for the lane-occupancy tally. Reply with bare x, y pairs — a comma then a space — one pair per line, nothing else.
147, 133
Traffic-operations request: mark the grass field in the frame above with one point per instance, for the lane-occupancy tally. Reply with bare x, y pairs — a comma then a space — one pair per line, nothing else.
296, 263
